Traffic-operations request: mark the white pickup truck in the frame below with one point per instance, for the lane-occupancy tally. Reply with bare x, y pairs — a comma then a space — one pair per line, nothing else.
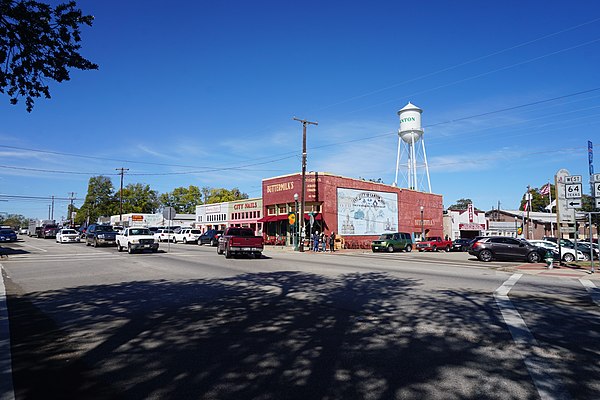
134, 239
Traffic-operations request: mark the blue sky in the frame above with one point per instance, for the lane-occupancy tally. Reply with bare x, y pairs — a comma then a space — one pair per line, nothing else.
203, 93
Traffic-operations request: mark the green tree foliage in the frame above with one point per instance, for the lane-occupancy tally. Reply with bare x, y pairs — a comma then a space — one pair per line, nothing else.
39, 42
539, 202
14, 220
184, 200
138, 198
461, 204
589, 204
222, 195
99, 201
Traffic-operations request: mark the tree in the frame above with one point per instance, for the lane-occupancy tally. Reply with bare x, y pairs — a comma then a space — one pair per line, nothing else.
99, 201
138, 198
39, 42
461, 204
588, 204
14, 220
222, 195
184, 200
539, 202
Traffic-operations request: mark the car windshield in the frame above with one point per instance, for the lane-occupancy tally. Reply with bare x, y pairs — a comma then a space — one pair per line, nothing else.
68, 232
241, 232
195, 231
5, 231
385, 236
104, 228
140, 231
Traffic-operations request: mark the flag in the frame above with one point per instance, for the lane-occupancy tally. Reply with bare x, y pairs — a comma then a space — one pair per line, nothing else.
525, 206
549, 206
545, 190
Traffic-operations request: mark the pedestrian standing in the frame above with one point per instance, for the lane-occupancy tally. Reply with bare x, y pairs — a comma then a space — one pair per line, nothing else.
324, 242
316, 241
332, 242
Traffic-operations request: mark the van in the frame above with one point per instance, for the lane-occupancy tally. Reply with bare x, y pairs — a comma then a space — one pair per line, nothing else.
391, 242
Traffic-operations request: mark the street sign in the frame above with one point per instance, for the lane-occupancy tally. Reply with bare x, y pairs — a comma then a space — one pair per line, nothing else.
596, 190
169, 213
573, 179
596, 178
567, 229
597, 202
573, 190
574, 203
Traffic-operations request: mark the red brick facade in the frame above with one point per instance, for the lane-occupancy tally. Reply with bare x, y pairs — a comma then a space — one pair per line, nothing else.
321, 197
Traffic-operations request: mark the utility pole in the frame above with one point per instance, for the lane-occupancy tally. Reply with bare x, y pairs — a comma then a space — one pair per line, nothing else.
71, 197
304, 123
121, 194
52, 217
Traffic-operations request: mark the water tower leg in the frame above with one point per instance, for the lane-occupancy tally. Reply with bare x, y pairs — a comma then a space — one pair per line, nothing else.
398, 160
426, 165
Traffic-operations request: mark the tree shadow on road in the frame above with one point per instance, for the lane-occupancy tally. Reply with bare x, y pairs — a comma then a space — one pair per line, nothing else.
281, 335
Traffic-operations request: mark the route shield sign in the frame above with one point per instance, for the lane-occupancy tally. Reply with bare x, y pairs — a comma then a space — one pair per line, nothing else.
573, 190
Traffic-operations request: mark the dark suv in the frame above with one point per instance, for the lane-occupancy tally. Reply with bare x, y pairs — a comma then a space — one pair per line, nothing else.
97, 235
211, 237
501, 247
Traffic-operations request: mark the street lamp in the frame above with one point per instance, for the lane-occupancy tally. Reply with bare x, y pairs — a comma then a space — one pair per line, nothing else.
422, 226
296, 234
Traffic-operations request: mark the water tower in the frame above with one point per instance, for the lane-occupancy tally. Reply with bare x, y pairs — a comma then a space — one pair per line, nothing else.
410, 152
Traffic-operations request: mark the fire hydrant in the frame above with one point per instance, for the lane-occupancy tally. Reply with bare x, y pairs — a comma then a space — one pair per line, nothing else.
549, 259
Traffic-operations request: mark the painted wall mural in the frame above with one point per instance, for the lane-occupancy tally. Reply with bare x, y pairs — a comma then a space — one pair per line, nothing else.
365, 212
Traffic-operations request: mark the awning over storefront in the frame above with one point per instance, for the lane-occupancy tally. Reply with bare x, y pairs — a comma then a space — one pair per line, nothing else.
265, 219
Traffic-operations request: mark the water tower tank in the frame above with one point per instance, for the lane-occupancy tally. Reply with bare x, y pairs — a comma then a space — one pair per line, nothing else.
410, 123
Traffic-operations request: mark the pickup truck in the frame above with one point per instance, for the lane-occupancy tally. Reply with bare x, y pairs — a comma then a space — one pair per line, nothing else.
134, 239
434, 244
235, 241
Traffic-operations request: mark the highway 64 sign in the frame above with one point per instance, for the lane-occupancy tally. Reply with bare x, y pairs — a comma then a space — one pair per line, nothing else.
573, 190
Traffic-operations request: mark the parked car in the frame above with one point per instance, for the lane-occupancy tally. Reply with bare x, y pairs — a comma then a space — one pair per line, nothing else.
187, 235
584, 247
23, 231
460, 244
7, 235
97, 235
211, 237
67, 236
568, 255
391, 242
136, 239
502, 247
164, 235
434, 244
236, 241
48, 231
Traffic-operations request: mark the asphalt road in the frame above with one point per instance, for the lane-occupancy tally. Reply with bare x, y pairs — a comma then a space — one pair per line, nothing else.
189, 324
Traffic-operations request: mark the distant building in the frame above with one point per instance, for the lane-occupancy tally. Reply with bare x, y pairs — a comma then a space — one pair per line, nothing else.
464, 224
148, 220
535, 225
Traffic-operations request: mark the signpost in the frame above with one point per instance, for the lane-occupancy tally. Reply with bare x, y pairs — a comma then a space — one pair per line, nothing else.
169, 214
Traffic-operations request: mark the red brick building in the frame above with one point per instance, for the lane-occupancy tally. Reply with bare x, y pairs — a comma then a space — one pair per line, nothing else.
357, 210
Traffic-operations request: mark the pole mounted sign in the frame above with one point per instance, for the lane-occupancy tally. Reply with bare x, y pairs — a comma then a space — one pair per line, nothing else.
596, 186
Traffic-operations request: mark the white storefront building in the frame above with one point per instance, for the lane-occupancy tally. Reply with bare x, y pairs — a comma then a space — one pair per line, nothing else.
245, 213
465, 224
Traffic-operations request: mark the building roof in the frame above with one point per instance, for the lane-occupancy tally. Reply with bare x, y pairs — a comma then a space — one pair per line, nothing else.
543, 217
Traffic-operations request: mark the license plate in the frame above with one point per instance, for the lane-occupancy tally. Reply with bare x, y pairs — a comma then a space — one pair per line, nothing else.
245, 248
376, 247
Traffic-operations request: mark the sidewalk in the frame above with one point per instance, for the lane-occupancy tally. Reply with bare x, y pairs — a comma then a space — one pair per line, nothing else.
568, 271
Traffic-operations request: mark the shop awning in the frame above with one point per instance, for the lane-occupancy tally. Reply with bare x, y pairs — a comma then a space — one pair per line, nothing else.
265, 219
283, 217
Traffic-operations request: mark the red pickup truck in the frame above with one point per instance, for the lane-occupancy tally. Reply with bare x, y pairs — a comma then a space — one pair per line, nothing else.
434, 244
235, 241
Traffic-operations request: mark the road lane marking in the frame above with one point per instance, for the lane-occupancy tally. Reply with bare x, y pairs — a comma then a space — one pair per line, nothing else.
7, 391
34, 247
592, 290
547, 384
